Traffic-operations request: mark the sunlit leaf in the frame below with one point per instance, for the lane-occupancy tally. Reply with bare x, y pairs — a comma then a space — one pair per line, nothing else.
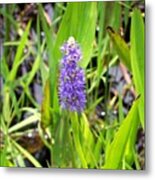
137, 57
79, 21
118, 146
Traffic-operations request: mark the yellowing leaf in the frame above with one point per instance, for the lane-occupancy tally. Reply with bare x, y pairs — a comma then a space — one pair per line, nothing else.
121, 47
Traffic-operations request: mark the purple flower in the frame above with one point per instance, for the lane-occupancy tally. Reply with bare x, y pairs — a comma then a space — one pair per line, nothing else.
72, 80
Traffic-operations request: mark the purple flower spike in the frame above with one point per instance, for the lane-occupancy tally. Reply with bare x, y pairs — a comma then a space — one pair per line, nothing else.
72, 80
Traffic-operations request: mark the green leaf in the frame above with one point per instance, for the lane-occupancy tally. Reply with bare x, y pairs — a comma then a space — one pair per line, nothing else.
116, 17
3, 156
130, 147
98, 147
37, 60
52, 61
78, 21
76, 137
87, 141
63, 150
121, 47
18, 57
118, 146
120, 108
53, 64
137, 57
31, 119
45, 107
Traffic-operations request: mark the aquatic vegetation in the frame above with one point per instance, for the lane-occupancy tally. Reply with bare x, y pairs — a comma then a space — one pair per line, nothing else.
72, 85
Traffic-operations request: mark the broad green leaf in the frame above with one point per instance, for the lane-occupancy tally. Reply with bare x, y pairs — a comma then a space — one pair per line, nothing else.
137, 57
118, 146
78, 21
121, 47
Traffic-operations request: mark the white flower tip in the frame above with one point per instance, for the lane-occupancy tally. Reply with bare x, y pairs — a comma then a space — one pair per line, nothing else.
71, 40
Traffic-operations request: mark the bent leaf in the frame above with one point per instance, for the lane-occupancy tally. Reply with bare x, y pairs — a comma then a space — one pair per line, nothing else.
121, 47
117, 148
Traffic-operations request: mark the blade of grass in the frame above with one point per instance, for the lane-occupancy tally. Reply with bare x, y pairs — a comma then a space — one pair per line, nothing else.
25, 122
26, 154
17, 60
37, 61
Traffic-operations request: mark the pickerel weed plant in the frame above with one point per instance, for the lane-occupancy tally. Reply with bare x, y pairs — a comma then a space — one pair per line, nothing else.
98, 126
72, 80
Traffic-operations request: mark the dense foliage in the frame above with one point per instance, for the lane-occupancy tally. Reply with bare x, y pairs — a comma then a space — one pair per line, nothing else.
46, 120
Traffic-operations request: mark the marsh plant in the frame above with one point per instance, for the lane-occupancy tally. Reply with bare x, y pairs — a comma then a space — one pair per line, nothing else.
72, 85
